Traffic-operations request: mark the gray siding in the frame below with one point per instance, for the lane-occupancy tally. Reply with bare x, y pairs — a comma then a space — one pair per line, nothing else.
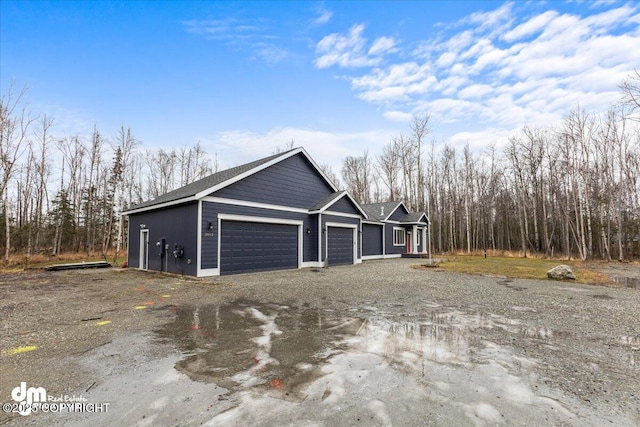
389, 248
371, 239
344, 205
398, 214
292, 182
177, 225
341, 219
209, 242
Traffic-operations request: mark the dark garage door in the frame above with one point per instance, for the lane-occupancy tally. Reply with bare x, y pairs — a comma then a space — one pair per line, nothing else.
340, 245
255, 246
371, 239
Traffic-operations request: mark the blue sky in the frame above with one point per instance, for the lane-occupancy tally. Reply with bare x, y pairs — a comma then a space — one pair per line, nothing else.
244, 78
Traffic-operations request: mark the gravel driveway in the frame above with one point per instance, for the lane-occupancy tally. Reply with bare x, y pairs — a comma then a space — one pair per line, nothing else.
381, 343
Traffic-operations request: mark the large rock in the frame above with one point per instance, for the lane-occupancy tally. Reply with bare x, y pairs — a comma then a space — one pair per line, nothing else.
561, 272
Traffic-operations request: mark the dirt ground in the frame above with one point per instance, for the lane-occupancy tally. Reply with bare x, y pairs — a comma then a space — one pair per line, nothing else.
379, 343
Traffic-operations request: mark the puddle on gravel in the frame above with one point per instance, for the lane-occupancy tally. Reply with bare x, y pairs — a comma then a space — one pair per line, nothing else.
282, 363
245, 344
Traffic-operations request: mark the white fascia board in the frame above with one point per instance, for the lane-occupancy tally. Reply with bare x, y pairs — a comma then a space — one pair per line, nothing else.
245, 203
346, 215
368, 221
263, 166
335, 200
395, 209
315, 165
325, 207
386, 218
340, 224
250, 172
160, 205
248, 218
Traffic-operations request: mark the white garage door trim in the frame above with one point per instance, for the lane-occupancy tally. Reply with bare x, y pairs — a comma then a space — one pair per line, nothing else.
341, 225
267, 220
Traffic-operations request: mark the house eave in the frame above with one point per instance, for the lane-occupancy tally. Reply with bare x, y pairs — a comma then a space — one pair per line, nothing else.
160, 205
263, 166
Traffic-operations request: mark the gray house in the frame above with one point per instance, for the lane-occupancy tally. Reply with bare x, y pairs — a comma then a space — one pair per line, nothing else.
390, 231
280, 212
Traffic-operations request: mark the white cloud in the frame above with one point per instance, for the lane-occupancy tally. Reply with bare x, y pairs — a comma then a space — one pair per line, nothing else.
396, 83
504, 68
382, 45
350, 50
535, 24
398, 116
324, 17
475, 91
482, 139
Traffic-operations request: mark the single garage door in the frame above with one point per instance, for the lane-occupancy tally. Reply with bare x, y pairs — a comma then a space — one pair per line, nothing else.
256, 246
340, 245
371, 239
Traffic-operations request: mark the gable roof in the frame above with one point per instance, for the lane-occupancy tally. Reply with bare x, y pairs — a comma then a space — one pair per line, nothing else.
382, 211
207, 185
332, 198
415, 217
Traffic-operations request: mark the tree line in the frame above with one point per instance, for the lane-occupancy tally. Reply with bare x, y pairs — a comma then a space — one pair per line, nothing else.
570, 190
65, 193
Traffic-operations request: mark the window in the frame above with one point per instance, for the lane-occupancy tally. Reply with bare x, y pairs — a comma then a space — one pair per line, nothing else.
418, 236
399, 236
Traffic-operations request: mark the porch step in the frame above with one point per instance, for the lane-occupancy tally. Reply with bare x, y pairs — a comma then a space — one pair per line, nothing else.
415, 255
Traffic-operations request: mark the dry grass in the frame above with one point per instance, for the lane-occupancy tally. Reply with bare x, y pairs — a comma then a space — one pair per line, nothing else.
20, 262
522, 268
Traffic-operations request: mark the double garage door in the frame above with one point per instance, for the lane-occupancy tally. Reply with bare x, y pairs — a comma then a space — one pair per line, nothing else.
258, 246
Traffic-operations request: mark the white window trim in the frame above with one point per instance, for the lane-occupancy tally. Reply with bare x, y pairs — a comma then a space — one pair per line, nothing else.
404, 234
418, 237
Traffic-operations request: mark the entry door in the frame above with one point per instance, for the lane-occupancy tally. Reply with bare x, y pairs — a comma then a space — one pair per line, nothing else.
409, 246
144, 250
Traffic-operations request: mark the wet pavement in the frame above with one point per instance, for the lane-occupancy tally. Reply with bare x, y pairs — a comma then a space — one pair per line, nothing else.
309, 348
280, 361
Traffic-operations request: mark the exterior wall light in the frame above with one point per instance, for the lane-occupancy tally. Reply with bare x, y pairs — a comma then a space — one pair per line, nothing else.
210, 225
